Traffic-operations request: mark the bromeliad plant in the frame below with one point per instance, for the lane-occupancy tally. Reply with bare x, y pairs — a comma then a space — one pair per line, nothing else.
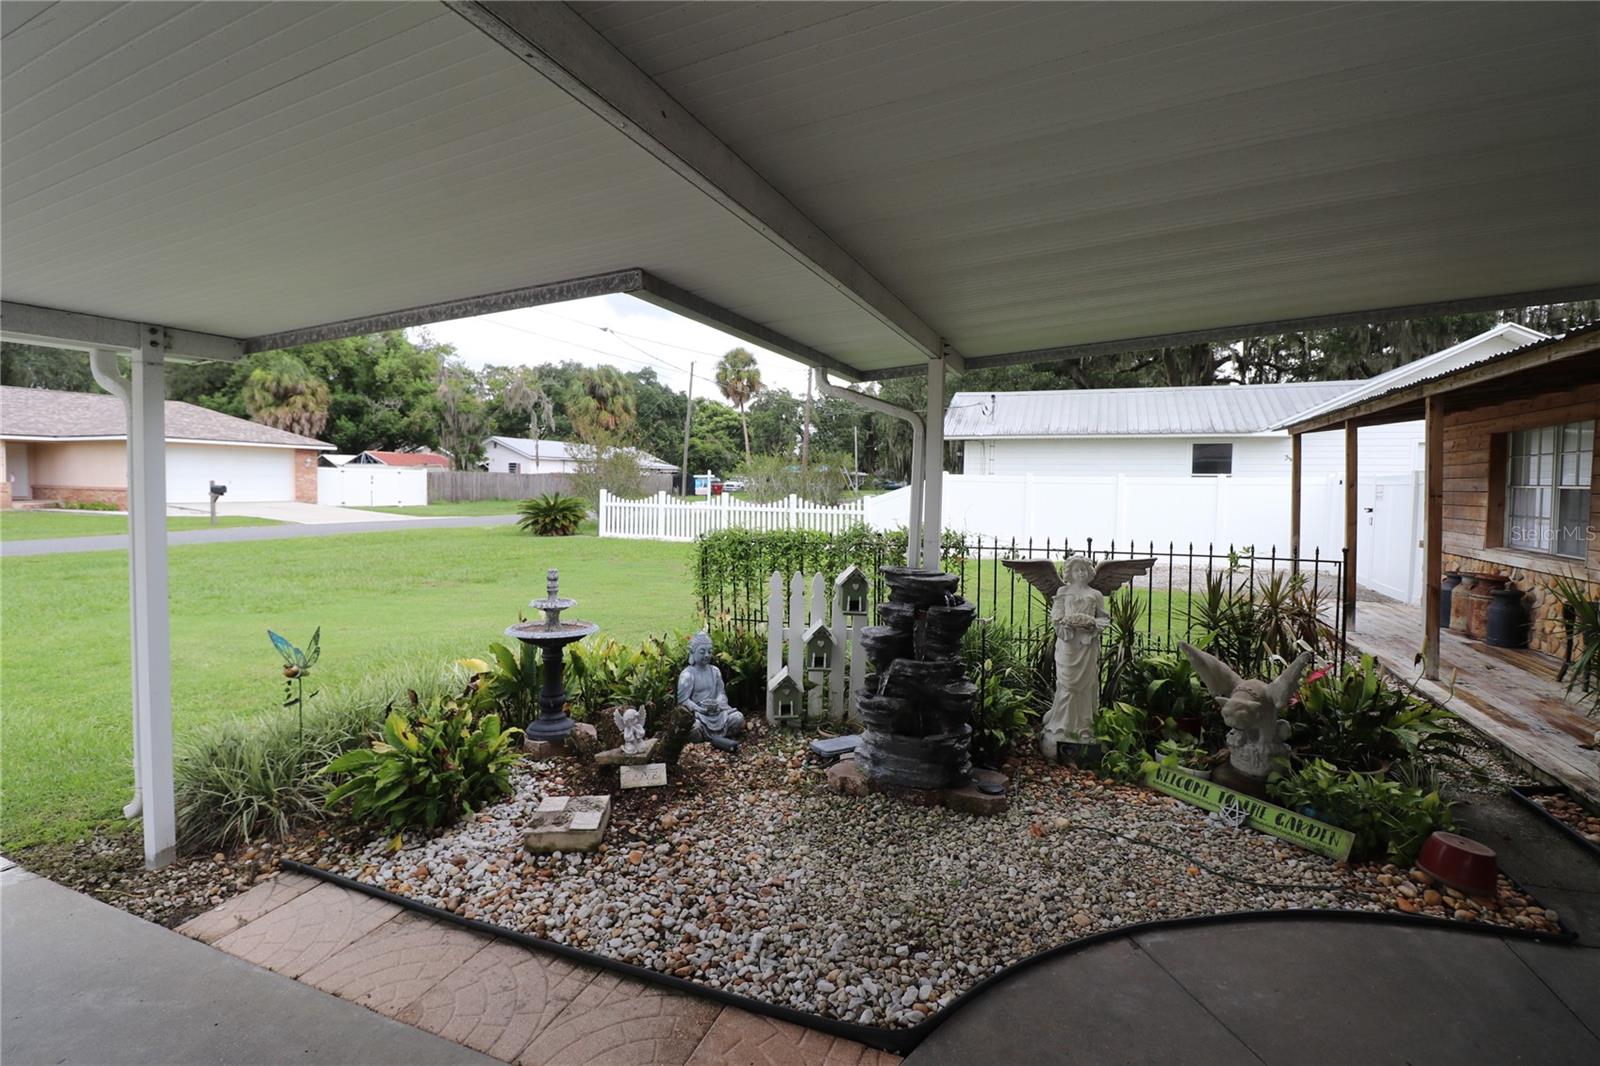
428, 771
296, 665
1356, 721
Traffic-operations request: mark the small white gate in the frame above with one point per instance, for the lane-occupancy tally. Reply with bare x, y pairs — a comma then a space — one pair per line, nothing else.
371, 485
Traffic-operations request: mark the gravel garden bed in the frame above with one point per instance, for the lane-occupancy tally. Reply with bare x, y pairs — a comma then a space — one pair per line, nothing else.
1569, 812
748, 875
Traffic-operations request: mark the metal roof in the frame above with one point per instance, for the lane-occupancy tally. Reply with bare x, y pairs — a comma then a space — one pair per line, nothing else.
46, 414
1196, 411
1491, 342
565, 451
1004, 177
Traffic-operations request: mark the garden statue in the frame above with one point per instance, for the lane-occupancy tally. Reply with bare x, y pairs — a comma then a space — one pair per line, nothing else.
1078, 615
1251, 710
701, 690
630, 723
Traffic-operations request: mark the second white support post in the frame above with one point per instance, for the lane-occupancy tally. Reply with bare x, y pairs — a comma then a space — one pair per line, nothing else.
933, 468
147, 523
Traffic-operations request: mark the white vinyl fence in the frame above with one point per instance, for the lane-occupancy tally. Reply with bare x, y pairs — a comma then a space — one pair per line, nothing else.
372, 485
664, 517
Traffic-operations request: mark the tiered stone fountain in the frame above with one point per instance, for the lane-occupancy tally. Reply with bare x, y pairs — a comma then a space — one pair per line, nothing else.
916, 707
550, 635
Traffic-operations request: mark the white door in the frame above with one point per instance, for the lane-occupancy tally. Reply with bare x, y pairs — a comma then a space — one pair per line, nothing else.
17, 470
1389, 527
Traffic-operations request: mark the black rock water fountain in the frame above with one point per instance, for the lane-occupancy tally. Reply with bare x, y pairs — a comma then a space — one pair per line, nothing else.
551, 635
916, 708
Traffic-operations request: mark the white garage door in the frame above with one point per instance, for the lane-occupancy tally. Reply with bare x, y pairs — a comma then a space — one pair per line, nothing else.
259, 475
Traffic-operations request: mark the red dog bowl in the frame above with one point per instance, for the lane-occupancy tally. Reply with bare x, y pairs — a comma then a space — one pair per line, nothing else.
1460, 863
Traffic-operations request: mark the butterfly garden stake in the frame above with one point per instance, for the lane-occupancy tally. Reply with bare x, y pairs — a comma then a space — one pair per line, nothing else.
296, 665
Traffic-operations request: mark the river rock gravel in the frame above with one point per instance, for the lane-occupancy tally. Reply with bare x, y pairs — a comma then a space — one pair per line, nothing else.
752, 877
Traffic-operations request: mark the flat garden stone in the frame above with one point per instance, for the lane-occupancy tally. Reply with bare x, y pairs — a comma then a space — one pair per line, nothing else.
583, 734
579, 824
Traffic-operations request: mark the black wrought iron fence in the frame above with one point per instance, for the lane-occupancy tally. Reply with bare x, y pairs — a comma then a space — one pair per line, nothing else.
1178, 599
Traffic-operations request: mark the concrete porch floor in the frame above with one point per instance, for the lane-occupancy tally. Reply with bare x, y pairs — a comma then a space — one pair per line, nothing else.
1509, 695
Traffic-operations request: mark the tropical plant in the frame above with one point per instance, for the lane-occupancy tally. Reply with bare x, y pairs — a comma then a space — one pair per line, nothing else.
1124, 610
552, 515
1164, 685
1178, 752
297, 666
604, 407
1581, 610
507, 684
246, 779
429, 771
1390, 820
739, 379
1356, 721
1287, 616
285, 394
1123, 732
1002, 716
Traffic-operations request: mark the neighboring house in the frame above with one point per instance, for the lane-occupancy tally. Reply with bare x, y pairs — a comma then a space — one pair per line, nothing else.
1200, 431
432, 460
522, 455
1515, 487
334, 458
72, 446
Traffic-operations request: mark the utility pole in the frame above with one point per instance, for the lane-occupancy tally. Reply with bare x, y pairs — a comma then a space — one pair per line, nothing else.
688, 420
805, 434
855, 463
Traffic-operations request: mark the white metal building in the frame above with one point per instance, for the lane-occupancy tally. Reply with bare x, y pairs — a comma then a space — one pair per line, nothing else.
873, 190
523, 455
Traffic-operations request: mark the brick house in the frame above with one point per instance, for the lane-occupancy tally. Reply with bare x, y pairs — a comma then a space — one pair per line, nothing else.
73, 447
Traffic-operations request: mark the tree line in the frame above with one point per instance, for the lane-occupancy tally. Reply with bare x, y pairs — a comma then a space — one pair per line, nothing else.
390, 391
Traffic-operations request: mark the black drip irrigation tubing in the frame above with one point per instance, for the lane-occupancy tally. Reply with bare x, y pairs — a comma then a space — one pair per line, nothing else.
1524, 794
904, 1041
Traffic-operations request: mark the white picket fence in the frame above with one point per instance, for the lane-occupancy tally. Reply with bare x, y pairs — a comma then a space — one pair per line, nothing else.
664, 517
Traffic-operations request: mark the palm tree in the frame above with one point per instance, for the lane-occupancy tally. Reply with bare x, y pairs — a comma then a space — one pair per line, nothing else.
525, 393
282, 392
604, 405
739, 378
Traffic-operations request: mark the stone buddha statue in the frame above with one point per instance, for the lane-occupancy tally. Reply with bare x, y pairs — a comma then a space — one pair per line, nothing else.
701, 690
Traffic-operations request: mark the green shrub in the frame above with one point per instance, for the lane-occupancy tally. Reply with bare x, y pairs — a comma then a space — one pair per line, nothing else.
89, 505
1356, 721
507, 684
1390, 820
249, 779
552, 515
429, 771
1164, 685
1124, 732
1002, 717
824, 480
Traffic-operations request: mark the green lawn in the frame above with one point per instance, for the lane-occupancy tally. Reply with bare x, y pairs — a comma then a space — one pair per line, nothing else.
466, 507
1007, 598
47, 525
65, 744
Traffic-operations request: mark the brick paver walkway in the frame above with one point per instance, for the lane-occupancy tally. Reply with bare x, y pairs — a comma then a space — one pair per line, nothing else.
495, 996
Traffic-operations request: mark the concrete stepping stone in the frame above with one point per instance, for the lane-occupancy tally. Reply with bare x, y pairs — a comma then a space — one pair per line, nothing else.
568, 823
499, 999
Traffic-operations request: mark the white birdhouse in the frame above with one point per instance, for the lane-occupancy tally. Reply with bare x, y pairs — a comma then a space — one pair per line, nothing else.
819, 647
787, 699
852, 589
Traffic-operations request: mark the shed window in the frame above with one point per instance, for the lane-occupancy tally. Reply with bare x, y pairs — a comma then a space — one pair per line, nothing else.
513, 468
1211, 459
1548, 474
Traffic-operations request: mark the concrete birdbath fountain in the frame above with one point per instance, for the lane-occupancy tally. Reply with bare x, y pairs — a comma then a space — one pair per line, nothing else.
550, 635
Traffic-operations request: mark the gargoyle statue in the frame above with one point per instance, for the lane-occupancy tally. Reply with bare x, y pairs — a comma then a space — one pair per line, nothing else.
1251, 709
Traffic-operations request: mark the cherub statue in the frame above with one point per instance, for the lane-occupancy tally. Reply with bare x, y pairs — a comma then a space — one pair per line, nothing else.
701, 690
630, 723
1077, 612
1251, 709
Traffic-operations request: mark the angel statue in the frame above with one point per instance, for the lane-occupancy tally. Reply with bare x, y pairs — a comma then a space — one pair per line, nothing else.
630, 723
1250, 709
1078, 614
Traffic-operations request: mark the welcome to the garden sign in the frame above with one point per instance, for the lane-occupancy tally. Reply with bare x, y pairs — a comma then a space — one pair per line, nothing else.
1267, 817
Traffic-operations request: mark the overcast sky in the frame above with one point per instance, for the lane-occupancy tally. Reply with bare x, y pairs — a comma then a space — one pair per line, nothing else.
629, 334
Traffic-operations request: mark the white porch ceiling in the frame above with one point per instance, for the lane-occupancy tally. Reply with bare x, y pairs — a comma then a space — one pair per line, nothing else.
1020, 176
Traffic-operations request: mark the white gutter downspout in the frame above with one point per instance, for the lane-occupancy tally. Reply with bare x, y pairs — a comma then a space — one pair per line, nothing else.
918, 433
103, 365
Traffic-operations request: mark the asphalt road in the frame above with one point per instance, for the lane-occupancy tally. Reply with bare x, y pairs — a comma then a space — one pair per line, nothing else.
119, 542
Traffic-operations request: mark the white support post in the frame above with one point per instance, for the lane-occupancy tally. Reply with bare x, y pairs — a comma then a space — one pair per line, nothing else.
933, 468
147, 522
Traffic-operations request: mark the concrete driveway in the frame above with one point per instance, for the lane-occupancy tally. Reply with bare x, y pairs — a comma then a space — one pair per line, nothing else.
305, 514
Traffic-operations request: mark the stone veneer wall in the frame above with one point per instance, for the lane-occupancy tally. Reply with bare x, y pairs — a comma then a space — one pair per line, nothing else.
75, 494
1470, 544
305, 475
